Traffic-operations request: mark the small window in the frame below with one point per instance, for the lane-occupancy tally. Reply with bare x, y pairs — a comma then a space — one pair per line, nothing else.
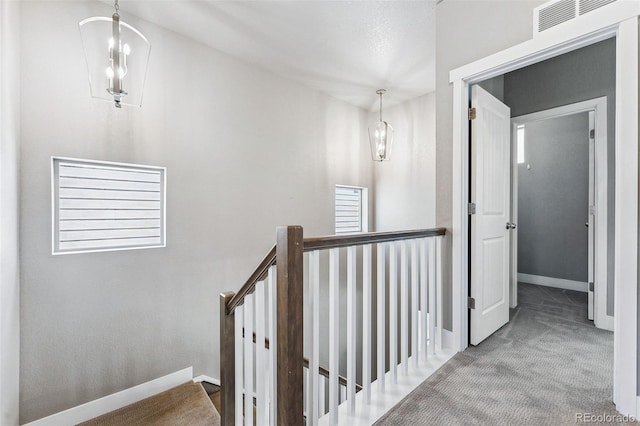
101, 206
520, 143
351, 209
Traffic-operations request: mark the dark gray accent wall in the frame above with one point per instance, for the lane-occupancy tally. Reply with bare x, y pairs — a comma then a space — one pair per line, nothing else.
553, 198
580, 75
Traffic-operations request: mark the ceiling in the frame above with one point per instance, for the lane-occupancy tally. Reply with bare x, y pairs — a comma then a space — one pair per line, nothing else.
346, 49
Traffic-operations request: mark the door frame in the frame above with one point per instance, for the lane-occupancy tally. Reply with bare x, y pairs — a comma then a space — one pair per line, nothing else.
619, 20
599, 106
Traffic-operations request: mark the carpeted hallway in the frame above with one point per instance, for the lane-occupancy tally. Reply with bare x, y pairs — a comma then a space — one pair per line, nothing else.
542, 368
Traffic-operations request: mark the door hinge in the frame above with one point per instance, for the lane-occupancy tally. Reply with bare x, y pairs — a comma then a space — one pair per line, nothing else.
472, 208
590, 286
592, 133
471, 302
472, 113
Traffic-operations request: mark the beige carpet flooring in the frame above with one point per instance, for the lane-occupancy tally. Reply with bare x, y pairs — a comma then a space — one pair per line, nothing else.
184, 405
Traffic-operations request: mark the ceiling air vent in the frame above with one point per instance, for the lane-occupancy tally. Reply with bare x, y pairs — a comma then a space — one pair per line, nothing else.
556, 12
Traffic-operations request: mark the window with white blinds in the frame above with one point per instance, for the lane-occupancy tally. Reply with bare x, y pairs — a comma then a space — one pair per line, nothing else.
101, 206
351, 209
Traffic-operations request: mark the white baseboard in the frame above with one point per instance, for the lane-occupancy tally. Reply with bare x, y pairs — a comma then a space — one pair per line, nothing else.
448, 340
605, 323
106, 404
554, 282
208, 379
367, 414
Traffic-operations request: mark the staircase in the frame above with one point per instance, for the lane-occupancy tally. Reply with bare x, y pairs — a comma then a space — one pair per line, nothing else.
187, 404
382, 291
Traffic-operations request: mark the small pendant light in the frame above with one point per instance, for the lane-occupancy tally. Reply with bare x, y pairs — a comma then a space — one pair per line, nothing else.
117, 56
381, 136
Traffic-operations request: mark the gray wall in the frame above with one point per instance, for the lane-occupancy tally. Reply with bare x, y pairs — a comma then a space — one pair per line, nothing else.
553, 198
583, 74
245, 151
405, 186
467, 30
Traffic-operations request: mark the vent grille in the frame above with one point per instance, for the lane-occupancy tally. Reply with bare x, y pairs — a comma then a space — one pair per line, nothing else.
556, 13
586, 6
100, 206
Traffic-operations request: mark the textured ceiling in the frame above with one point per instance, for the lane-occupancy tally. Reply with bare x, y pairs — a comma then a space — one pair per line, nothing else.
347, 49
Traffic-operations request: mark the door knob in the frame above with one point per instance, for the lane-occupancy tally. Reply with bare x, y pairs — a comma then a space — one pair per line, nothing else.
511, 225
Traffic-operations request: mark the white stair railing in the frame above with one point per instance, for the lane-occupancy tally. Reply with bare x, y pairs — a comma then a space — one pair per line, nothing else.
395, 278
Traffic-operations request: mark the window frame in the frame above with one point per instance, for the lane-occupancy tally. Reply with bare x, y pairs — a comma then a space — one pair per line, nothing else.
55, 198
364, 209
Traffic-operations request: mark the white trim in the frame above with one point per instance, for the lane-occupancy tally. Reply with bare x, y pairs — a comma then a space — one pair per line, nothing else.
626, 220
381, 403
599, 106
554, 282
202, 378
601, 25
106, 404
448, 339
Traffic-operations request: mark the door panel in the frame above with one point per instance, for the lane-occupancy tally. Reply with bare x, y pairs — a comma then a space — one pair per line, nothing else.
491, 192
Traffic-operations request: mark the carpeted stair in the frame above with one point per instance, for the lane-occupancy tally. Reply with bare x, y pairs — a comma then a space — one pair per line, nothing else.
187, 404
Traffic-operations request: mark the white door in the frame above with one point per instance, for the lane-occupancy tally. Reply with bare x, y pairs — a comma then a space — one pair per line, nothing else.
491, 223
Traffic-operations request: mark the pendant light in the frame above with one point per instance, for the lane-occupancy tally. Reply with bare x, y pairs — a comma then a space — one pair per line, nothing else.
381, 136
117, 56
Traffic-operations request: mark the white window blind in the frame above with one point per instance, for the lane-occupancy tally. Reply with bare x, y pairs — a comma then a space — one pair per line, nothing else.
351, 208
100, 206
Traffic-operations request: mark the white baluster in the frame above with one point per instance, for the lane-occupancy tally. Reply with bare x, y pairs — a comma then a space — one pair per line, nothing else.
414, 301
393, 313
432, 295
381, 289
248, 360
273, 301
239, 349
404, 308
350, 391
424, 303
334, 333
305, 394
366, 323
314, 361
322, 405
261, 355
439, 289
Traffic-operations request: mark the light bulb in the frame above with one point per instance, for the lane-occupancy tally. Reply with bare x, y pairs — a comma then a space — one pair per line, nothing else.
120, 73
126, 49
111, 43
109, 72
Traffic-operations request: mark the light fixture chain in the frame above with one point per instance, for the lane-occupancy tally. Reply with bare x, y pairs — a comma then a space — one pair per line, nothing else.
116, 6
380, 106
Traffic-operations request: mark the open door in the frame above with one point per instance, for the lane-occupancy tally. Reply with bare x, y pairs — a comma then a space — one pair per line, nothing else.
491, 222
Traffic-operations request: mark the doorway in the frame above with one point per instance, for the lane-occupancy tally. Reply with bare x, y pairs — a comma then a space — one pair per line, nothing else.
618, 21
559, 182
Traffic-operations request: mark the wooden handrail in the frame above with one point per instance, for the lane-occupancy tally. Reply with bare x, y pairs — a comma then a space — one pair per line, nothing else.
323, 243
258, 275
336, 241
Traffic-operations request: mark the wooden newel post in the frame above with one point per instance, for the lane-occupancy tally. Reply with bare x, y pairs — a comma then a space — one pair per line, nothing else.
289, 352
227, 361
